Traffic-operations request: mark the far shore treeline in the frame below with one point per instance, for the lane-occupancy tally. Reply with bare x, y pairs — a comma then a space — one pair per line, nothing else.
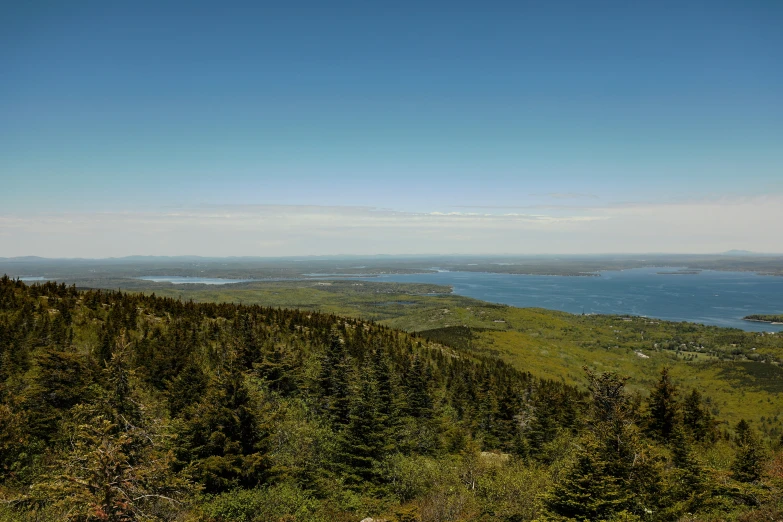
765, 318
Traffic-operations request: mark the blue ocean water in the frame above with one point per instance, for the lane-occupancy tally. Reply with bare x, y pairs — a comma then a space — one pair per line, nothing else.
708, 297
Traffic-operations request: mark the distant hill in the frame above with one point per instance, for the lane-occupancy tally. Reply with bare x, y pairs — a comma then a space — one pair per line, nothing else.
736, 252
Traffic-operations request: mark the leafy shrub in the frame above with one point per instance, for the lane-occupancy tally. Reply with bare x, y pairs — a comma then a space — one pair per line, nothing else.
270, 504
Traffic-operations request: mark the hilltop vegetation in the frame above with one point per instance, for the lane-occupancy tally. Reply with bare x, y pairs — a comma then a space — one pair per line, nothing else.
117, 406
740, 371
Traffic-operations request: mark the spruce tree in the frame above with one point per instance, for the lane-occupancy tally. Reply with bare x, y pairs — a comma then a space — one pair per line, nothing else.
488, 413
390, 398
117, 465
334, 380
663, 408
417, 387
542, 426
186, 388
748, 465
123, 406
688, 489
614, 468
62, 380
277, 369
696, 419
221, 441
589, 491
363, 442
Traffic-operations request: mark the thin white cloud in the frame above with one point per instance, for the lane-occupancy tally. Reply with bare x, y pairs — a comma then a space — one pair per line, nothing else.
272, 230
567, 195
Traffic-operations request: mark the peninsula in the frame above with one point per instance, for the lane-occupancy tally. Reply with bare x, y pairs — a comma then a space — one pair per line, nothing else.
765, 318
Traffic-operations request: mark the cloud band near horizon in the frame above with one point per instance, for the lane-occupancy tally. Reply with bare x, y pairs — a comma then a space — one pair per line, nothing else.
705, 226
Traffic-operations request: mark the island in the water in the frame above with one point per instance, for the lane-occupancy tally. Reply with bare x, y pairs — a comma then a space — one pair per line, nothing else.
765, 318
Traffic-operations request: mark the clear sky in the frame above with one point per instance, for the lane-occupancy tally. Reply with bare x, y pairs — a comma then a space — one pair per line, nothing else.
390, 127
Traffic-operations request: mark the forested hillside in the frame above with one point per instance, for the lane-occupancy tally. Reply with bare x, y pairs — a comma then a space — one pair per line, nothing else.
118, 407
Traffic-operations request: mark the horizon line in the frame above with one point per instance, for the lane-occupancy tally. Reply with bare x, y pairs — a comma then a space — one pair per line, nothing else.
735, 253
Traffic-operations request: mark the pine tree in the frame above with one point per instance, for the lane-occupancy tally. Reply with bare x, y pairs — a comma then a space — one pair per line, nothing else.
221, 443
277, 369
107, 343
613, 455
117, 465
749, 460
62, 381
363, 442
509, 407
588, 492
119, 397
186, 388
488, 413
688, 490
417, 387
696, 419
390, 398
663, 408
333, 380
543, 425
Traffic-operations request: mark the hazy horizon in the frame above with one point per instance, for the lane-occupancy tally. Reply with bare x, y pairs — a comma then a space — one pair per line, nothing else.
543, 255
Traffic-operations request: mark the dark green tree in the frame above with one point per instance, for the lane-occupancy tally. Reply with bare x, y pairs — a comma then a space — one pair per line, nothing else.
588, 492
489, 418
364, 442
221, 439
688, 489
62, 380
334, 380
390, 397
613, 466
696, 418
417, 385
279, 369
748, 465
542, 425
662, 408
186, 388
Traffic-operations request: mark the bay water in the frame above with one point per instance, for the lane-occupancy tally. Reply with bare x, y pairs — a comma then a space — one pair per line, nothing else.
708, 297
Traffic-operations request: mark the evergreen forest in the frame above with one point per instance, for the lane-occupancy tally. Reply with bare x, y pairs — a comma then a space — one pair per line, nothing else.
118, 406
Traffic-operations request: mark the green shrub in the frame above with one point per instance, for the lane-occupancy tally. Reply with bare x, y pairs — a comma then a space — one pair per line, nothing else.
278, 502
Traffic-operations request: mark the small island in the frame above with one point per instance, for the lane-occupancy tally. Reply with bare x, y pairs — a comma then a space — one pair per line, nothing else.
765, 318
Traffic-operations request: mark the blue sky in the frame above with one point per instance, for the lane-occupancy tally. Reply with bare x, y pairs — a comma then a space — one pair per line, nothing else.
554, 109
